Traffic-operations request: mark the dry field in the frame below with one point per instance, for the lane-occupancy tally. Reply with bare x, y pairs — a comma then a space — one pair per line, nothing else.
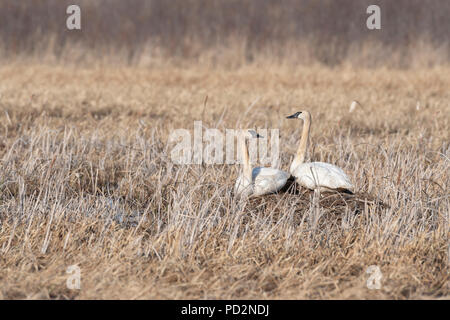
86, 179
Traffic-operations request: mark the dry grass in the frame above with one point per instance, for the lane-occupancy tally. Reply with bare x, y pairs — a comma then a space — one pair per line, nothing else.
413, 32
86, 179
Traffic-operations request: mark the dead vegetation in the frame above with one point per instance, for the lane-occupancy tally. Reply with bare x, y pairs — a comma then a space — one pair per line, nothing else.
86, 179
232, 32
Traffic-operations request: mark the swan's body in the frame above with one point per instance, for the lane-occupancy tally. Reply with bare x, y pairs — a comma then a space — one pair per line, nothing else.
321, 175
264, 181
316, 175
260, 180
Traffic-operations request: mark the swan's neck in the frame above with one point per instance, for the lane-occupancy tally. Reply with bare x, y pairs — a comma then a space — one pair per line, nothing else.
247, 169
303, 145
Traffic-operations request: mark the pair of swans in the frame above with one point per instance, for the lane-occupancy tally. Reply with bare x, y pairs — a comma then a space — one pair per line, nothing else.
317, 176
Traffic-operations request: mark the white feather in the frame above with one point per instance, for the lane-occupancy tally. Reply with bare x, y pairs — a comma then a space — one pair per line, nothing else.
315, 175
264, 181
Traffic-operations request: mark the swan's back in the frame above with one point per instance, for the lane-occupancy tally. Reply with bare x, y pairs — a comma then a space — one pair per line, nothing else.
314, 175
268, 180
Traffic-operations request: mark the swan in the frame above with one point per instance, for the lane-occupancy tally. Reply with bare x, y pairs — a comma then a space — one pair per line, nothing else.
260, 180
317, 176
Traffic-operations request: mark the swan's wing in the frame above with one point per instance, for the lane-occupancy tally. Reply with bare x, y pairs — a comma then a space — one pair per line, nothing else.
268, 180
314, 174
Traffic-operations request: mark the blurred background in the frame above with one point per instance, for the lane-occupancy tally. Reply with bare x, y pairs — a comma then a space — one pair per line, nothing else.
231, 32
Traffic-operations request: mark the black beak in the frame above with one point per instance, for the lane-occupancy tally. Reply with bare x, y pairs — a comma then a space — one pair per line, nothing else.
255, 134
295, 115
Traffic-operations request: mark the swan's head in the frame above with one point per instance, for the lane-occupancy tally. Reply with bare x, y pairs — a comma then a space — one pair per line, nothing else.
253, 134
299, 115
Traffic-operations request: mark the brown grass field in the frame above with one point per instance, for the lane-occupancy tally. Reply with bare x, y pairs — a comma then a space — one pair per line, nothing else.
86, 179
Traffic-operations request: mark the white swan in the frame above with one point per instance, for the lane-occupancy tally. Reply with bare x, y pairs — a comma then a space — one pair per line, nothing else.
260, 180
318, 176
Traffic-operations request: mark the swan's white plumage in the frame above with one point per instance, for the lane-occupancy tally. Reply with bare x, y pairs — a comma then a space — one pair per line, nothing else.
264, 181
260, 180
314, 175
